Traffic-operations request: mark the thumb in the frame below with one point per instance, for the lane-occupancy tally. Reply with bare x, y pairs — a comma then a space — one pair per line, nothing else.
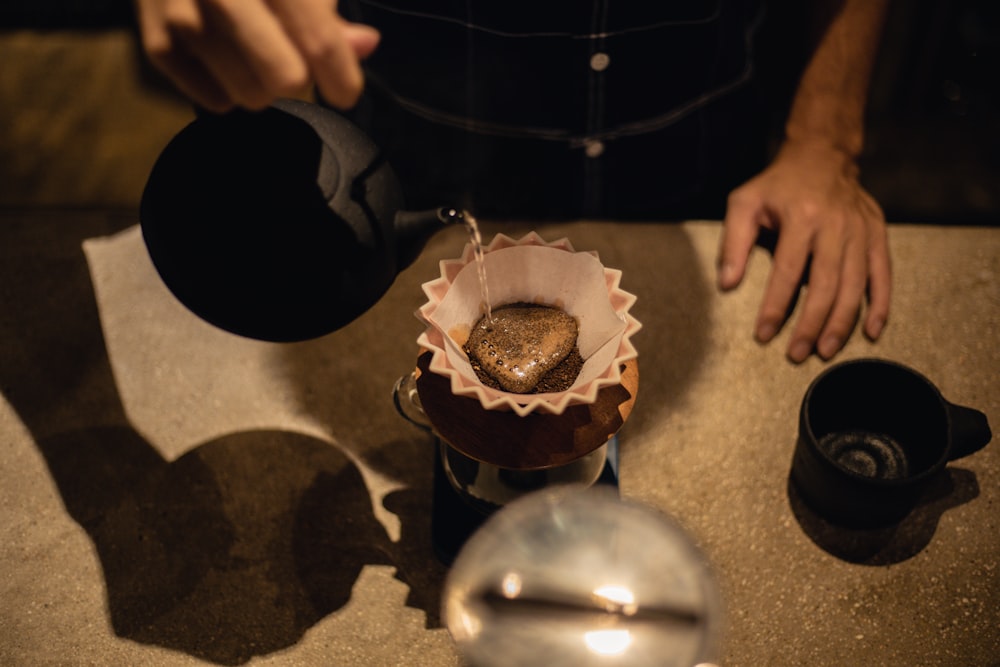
362, 38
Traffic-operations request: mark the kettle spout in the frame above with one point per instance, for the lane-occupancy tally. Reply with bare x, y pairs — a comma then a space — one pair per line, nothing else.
414, 228
449, 215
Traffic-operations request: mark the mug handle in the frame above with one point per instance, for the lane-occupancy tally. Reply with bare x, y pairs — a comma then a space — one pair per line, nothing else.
970, 431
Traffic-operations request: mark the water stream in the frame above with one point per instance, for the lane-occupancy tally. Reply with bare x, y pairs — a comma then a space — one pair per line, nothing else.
476, 238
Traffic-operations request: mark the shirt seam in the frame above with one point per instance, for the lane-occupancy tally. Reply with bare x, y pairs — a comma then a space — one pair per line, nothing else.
468, 25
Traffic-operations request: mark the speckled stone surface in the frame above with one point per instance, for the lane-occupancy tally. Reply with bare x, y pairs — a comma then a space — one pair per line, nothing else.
173, 495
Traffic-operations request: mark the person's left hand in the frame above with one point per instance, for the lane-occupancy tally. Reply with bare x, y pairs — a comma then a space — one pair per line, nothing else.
810, 195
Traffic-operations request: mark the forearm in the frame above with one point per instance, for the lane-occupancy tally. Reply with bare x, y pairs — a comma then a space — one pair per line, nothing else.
829, 104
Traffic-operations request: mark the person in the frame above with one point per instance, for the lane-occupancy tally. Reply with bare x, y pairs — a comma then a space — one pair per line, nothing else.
664, 116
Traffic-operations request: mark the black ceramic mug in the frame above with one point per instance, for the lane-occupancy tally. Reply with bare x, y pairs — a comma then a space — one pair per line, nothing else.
872, 434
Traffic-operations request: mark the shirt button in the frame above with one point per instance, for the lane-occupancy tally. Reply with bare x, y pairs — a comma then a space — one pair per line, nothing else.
599, 61
593, 148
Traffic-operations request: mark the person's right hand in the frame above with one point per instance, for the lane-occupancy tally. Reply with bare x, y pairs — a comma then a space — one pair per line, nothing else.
247, 53
825, 219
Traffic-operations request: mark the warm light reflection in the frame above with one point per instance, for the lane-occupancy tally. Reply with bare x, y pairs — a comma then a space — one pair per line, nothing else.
618, 594
511, 586
608, 642
617, 599
468, 627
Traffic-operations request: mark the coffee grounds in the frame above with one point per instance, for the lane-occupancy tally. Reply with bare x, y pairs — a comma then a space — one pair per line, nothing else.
562, 376
559, 378
499, 341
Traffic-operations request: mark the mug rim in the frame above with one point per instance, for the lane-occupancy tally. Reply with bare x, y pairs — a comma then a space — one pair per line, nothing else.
899, 482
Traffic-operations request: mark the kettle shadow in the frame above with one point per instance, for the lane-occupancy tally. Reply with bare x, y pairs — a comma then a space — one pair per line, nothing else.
895, 543
231, 551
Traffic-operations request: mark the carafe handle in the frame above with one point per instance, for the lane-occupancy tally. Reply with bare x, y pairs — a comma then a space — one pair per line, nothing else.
407, 401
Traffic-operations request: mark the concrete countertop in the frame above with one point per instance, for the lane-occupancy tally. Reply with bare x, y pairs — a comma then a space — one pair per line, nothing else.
174, 495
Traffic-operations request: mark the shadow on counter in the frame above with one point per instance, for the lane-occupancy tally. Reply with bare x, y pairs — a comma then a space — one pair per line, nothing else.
234, 550
898, 542
673, 307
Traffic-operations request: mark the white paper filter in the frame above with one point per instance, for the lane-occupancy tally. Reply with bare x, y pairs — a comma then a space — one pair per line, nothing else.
533, 271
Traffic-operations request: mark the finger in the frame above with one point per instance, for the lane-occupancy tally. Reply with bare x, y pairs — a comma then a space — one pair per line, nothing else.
879, 278
362, 38
790, 258
319, 34
230, 47
224, 62
260, 38
158, 19
847, 304
169, 55
824, 284
196, 82
196, 53
739, 231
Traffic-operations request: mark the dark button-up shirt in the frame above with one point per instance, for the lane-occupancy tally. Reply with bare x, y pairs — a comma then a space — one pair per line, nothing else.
564, 108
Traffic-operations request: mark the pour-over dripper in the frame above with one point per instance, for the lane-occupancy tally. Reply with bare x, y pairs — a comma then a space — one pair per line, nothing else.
509, 434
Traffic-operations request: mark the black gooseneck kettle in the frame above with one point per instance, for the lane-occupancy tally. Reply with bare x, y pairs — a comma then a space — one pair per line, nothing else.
280, 225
